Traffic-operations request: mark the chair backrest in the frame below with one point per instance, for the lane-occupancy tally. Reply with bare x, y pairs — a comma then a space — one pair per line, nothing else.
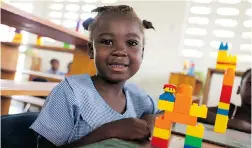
15, 132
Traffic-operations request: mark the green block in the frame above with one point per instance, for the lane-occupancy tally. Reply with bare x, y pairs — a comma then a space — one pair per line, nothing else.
66, 45
193, 141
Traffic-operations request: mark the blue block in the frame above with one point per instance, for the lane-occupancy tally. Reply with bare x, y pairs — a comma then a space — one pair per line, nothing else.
167, 97
188, 146
222, 112
223, 47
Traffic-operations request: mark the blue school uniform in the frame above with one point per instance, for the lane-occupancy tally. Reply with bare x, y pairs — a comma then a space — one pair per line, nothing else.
74, 108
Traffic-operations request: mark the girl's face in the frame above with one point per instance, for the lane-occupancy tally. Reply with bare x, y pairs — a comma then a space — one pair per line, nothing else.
117, 48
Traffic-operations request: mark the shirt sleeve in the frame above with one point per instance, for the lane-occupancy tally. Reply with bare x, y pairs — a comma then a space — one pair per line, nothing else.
56, 120
154, 107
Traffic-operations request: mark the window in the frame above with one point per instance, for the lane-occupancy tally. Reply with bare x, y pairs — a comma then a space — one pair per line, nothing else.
210, 22
88, 7
56, 6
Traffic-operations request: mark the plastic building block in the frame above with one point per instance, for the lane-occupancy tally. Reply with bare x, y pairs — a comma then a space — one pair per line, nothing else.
66, 45
159, 143
223, 47
228, 78
188, 146
226, 93
183, 99
195, 131
167, 97
224, 60
39, 40
222, 112
165, 105
18, 36
221, 122
225, 66
160, 122
170, 88
161, 133
198, 111
224, 105
181, 118
193, 141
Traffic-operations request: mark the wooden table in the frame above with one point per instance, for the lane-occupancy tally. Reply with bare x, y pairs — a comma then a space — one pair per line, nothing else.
210, 73
9, 87
176, 141
48, 77
231, 138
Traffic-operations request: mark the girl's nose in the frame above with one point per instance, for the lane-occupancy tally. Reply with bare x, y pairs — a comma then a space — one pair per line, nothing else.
119, 53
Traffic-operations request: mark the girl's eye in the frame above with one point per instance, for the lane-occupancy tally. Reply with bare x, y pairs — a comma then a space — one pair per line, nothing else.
107, 42
132, 43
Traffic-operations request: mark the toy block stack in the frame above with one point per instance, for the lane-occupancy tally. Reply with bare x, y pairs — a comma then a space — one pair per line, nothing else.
18, 36
194, 135
224, 60
162, 129
221, 120
177, 110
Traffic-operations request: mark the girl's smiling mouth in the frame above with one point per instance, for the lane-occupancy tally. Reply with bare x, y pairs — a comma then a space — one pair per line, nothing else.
118, 67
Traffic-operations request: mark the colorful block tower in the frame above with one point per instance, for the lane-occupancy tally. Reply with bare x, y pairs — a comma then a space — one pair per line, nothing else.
162, 129
194, 135
224, 60
221, 120
178, 110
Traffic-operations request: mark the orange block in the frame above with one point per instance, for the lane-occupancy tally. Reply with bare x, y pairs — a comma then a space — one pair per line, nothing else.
229, 77
160, 122
181, 118
183, 99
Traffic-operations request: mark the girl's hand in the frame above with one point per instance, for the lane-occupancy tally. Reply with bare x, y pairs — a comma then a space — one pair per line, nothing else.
127, 129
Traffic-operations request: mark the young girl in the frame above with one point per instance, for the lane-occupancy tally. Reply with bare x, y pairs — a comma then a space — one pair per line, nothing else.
239, 117
82, 110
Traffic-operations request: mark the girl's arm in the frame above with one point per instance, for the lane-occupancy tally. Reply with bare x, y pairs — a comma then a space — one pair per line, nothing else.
125, 129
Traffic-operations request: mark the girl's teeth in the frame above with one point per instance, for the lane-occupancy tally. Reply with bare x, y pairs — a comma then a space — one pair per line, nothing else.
118, 66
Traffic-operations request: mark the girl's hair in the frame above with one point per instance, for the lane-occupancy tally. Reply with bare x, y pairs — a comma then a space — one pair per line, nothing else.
107, 11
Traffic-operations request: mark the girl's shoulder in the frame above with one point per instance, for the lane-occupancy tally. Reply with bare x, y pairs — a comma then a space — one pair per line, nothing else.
79, 82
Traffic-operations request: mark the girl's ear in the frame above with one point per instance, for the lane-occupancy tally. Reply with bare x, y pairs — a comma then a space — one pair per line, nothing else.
90, 50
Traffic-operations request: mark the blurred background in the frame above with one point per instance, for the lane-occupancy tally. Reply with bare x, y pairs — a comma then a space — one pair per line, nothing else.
187, 38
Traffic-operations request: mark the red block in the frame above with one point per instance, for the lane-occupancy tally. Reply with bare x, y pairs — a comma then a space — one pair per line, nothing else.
226, 93
159, 143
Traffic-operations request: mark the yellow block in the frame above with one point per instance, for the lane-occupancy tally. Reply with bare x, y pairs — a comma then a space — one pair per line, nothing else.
161, 133
198, 111
223, 106
196, 131
165, 105
18, 38
222, 55
39, 41
225, 66
221, 122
